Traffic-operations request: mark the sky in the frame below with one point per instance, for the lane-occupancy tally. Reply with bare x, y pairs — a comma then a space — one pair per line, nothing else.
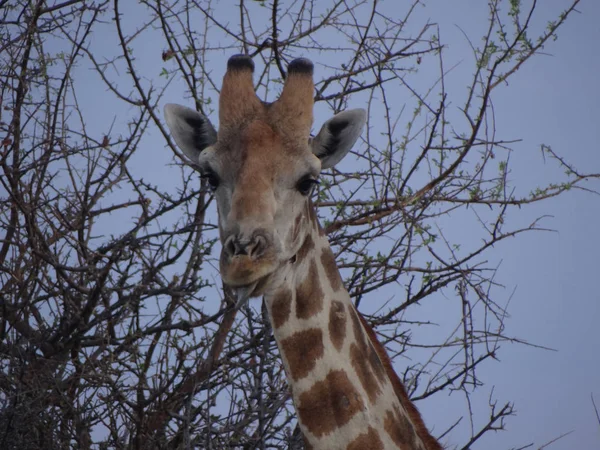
550, 278
556, 303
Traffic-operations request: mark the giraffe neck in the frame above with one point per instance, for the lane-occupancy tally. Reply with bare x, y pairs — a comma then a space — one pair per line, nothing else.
340, 378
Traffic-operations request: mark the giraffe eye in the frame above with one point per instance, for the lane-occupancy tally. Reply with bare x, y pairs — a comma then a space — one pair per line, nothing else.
306, 185
212, 179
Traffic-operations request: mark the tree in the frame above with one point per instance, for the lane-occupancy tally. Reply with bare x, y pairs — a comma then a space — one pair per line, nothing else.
115, 329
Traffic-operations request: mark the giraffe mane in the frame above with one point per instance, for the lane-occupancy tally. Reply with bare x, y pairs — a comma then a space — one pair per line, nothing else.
430, 442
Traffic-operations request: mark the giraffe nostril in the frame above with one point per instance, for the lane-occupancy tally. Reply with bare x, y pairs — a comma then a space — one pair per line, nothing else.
258, 245
230, 245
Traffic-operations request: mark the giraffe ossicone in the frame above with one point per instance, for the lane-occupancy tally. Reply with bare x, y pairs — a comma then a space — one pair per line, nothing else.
262, 165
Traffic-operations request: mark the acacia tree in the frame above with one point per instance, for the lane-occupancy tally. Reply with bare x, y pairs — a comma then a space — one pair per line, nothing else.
115, 329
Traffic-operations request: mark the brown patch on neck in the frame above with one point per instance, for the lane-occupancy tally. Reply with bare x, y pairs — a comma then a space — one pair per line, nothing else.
281, 307
365, 373
337, 324
302, 351
309, 295
400, 429
413, 413
366, 441
365, 360
329, 404
307, 247
312, 215
297, 226
331, 269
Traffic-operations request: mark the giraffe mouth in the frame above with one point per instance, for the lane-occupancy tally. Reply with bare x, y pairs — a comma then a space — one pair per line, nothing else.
243, 270
244, 292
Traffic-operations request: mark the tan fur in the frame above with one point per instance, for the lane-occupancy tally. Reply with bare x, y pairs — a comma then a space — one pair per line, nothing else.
294, 108
237, 101
256, 201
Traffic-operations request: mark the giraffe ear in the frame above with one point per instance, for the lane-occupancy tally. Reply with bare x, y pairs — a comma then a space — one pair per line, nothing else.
192, 131
337, 136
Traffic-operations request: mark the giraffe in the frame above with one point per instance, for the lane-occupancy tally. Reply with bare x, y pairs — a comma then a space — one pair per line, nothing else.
262, 166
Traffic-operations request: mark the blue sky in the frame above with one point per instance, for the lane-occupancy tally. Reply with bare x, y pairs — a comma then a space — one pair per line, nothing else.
553, 100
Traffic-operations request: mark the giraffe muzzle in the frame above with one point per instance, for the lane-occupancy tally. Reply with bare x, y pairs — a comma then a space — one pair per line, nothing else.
247, 261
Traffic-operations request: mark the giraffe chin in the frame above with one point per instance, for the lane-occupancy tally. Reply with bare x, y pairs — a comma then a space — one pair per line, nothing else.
247, 277
242, 294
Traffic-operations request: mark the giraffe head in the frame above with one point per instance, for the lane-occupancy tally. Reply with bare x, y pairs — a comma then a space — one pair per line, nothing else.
262, 165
